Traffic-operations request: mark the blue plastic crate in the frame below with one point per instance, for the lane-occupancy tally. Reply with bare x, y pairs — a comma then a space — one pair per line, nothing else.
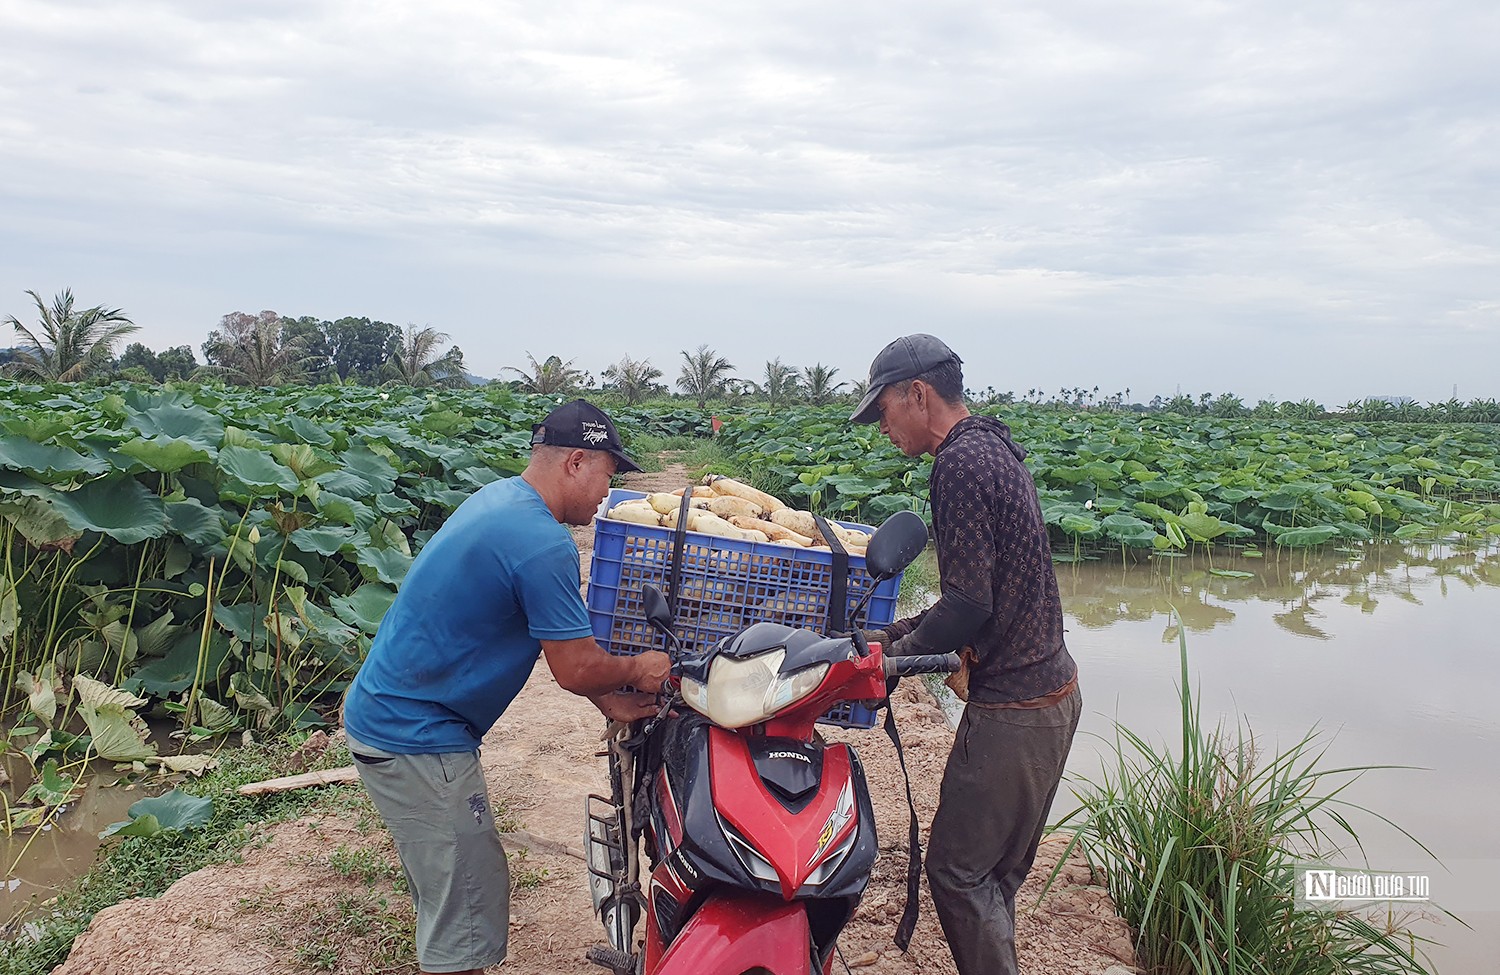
725, 585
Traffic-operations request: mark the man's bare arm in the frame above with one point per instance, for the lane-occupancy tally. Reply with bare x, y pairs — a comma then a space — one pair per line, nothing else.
582, 667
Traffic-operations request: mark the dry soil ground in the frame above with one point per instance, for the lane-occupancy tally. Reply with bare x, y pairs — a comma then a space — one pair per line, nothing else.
322, 894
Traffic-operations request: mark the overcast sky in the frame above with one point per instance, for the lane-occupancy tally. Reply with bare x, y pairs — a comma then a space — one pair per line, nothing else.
1279, 199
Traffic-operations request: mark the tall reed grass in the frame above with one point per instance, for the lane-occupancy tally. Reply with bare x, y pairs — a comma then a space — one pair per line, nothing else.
1200, 850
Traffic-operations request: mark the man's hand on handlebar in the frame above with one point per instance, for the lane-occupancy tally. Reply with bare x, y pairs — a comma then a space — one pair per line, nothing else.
652, 669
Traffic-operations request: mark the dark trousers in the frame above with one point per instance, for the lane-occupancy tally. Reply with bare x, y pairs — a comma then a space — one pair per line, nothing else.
1001, 777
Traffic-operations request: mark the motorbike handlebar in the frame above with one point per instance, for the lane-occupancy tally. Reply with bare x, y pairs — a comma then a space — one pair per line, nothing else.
922, 663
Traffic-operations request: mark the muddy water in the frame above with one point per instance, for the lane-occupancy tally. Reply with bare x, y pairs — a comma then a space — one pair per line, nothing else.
37, 863
1393, 654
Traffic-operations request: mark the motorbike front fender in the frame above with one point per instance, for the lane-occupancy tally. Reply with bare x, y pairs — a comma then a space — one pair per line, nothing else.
734, 933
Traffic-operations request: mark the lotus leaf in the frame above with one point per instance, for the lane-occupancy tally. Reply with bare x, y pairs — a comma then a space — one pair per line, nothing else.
179, 421
1081, 525
175, 810
1157, 490
191, 764
165, 454
373, 472
47, 461
345, 511
118, 735
41, 689
393, 504
434, 492
309, 431
304, 461
1128, 530
40, 429
242, 620
1306, 537
203, 526
214, 717
174, 672
365, 607
10, 610
477, 476
51, 788
322, 541
257, 470
41, 523
251, 698
119, 507
387, 565
1202, 527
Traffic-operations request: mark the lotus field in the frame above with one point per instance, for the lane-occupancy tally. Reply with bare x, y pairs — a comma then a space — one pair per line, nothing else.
226, 555
1160, 483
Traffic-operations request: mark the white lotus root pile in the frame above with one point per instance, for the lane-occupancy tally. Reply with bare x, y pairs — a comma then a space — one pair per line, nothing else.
728, 508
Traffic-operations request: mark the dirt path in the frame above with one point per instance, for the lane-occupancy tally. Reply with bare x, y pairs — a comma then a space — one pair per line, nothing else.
304, 898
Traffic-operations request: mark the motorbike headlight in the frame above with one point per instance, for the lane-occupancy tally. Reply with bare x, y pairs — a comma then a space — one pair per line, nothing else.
748, 691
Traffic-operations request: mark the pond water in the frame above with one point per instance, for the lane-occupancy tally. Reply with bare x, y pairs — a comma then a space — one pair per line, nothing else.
1390, 652
37, 863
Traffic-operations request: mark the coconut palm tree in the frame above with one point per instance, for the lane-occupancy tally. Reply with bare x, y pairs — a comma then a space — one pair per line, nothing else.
703, 375
416, 361
634, 379
821, 389
781, 382
552, 375
254, 351
68, 344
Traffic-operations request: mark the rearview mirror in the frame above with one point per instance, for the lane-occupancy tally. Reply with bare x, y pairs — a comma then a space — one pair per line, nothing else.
658, 613
896, 544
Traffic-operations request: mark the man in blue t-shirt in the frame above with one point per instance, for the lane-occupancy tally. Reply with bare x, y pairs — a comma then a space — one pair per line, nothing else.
496, 587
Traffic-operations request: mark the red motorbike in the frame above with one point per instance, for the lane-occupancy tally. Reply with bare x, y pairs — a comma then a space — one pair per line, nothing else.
759, 837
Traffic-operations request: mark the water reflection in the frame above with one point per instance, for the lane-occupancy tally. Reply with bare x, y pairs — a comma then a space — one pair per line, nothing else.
1300, 584
1387, 650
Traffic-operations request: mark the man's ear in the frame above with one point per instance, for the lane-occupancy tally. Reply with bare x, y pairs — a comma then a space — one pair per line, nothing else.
577, 458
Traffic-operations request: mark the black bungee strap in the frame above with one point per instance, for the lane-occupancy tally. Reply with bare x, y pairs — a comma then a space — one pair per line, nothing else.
838, 590
909, 912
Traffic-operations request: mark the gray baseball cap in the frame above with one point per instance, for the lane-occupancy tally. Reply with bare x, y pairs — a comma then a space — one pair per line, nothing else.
905, 358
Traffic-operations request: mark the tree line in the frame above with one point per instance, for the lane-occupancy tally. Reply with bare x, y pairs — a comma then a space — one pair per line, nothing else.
67, 344
705, 376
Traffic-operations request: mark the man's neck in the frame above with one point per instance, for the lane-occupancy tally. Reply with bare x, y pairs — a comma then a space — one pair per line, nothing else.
942, 423
547, 491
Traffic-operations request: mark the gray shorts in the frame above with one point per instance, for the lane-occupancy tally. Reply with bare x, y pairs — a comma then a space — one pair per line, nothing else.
437, 809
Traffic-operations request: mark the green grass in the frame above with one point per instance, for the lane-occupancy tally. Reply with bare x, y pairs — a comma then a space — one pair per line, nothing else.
523, 876
147, 866
1200, 851
919, 584
646, 449
362, 864
702, 457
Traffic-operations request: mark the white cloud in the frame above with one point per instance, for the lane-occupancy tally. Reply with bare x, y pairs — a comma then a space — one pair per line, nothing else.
1201, 173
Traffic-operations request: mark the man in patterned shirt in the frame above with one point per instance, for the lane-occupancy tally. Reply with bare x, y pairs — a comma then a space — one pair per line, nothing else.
999, 605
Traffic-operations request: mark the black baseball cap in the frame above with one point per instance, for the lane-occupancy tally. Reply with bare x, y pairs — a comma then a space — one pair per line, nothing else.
582, 424
905, 358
